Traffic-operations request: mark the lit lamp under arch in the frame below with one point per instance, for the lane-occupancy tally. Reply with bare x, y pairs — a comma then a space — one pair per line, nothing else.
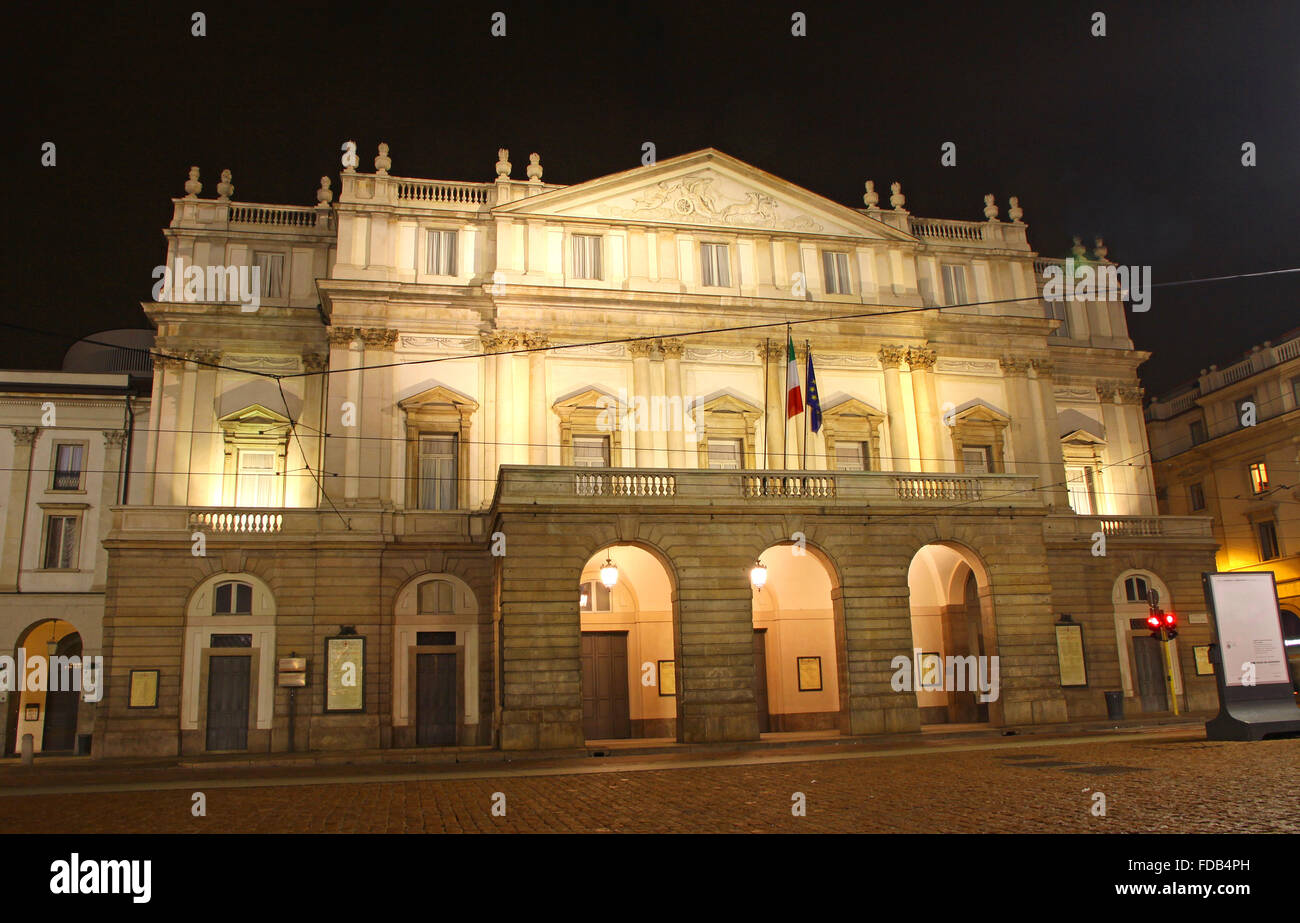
758, 575
608, 573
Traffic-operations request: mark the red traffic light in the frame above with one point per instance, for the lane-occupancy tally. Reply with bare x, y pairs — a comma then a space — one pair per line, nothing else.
1171, 620
1153, 622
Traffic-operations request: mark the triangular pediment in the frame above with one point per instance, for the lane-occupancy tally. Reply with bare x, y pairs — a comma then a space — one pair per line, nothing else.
726, 402
252, 417
704, 189
852, 407
439, 395
587, 398
981, 411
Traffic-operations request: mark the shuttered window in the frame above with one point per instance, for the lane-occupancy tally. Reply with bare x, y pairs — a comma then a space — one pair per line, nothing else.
437, 472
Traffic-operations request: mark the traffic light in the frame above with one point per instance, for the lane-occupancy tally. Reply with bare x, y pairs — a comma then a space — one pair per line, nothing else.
1171, 625
1154, 623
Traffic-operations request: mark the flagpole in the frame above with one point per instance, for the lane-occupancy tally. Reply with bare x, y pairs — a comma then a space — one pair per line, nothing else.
785, 414
807, 347
767, 389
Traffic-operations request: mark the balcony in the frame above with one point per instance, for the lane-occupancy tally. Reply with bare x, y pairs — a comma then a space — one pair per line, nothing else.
1069, 528
983, 234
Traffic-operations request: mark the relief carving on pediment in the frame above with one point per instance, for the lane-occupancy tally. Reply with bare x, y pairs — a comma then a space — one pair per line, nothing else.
691, 199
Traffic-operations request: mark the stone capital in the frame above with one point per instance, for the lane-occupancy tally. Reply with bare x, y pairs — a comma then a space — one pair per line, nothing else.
1044, 368
922, 358
343, 336
672, 348
1013, 366
1130, 394
1106, 390
891, 357
640, 349
536, 340
772, 352
114, 438
205, 358
378, 337
498, 341
314, 363
25, 435
171, 363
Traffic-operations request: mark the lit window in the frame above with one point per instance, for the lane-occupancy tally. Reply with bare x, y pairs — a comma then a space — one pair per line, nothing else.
954, 284
1080, 487
61, 542
271, 271
255, 484
591, 451
851, 456
725, 453
1268, 549
1259, 477
67, 466
1136, 590
1196, 496
596, 596
233, 598
586, 257
835, 267
715, 265
442, 253
437, 472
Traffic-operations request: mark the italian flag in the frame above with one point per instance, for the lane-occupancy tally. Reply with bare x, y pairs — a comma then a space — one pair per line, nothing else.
793, 397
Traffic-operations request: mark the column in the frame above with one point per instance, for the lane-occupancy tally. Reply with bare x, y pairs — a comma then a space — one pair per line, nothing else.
640, 351
151, 445
375, 418
337, 390
1144, 502
114, 440
505, 411
165, 419
921, 361
1024, 431
352, 415
890, 359
204, 463
537, 449
1118, 475
773, 354
675, 418
1054, 475
184, 426
16, 505
488, 431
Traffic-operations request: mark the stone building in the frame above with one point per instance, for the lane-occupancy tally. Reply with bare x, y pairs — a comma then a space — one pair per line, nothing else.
1227, 445
504, 462
72, 445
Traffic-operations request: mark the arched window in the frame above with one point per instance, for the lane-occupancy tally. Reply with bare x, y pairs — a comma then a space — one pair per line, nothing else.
232, 598
436, 597
1135, 589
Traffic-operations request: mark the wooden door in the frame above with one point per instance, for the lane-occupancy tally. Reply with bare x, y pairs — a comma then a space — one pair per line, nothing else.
435, 700
1149, 664
228, 683
60, 731
605, 711
760, 680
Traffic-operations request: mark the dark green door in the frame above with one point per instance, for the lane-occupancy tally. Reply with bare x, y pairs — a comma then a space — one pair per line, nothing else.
435, 700
228, 681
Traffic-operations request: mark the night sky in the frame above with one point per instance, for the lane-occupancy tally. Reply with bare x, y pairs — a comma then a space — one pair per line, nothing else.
1135, 136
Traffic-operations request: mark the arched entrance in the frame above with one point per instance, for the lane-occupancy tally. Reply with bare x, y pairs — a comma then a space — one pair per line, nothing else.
1141, 662
49, 713
626, 602
797, 666
954, 670
436, 664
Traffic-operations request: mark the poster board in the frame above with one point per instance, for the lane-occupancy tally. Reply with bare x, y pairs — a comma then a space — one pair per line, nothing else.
1069, 654
345, 673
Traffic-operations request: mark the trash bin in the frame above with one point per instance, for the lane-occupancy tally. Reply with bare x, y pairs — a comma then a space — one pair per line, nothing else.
1115, 705
83, 745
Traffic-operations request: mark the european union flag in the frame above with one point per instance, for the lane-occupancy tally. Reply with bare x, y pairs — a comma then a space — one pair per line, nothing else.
814, 402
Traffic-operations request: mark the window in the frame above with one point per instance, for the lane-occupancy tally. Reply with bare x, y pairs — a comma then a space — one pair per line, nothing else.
67, 466
437, 472
1259, 477
954, 284
436, 597
1197, 430
60, 542
1081, 489
595, 597
852, 456
271, 269
442, 253
435, 638
231, 641
977, 459
255, 484
232, 598
591, 451
835, 268
1196, 496
715, 265
1136, 590
1295, 391
725, 453
586, 256
1267, 530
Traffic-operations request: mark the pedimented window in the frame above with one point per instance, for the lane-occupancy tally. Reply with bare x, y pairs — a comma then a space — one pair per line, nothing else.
851, 429
728, 423
438, 423
590, 429
256, 440
978, 433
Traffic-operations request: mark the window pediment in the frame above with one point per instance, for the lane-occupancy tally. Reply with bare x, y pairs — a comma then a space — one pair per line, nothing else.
439, 404
254, 421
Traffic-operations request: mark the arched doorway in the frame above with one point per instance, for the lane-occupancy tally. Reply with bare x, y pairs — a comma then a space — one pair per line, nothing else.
626, 602
436, 664
954, 669
1141, 661
797, 666
49, 713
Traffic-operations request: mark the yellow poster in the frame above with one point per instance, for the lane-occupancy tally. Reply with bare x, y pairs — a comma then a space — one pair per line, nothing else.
1069, 655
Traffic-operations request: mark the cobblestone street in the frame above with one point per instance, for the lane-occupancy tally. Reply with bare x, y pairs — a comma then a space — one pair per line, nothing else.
992, 787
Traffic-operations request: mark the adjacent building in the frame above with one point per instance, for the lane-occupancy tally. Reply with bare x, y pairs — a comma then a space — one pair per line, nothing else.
508, 464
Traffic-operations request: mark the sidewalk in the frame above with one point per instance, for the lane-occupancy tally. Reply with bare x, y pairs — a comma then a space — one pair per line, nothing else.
141, 772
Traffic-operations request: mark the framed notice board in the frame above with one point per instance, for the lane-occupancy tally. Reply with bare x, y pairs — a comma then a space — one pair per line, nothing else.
1069, 653
345, 673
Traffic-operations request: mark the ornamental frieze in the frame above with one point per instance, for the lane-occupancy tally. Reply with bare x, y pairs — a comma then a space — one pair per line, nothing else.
691, 198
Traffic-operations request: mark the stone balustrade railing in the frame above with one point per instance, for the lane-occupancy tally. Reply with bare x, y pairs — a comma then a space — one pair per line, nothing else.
1085, 528
1265, 357
970, 233
446, 194
218, 215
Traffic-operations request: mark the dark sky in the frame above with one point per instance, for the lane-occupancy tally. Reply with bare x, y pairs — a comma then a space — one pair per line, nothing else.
1135, 136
